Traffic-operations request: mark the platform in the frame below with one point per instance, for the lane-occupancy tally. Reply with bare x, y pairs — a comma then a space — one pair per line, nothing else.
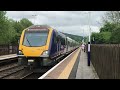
74, 66
84, 71
3, 57
63, 69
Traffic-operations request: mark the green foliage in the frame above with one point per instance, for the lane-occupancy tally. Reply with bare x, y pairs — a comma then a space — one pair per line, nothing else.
110, 32
19, 26
25, 23
86, 39
7, 32
100, 38
75, 37
108, 27
115, 38
106, 37
10, 30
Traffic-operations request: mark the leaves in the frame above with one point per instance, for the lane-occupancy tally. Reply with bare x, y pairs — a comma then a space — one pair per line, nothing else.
110, 32
10, 30
75, 37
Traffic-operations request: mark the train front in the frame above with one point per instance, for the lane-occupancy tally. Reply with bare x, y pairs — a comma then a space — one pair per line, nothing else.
34, 45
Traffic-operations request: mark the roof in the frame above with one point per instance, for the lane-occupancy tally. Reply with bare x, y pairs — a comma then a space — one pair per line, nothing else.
38, 27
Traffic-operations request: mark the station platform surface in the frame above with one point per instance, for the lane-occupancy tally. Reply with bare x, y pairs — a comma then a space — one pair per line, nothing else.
8, 56
73, 66
84, 71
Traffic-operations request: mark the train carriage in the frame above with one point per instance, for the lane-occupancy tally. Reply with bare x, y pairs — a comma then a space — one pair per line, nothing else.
41, 44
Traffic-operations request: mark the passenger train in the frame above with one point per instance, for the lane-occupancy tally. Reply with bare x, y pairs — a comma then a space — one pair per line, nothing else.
40, 45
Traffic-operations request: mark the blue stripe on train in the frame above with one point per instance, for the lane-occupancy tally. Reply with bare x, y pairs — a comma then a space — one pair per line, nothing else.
53, 46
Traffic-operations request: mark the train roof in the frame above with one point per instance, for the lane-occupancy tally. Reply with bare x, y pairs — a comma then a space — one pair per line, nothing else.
38, 27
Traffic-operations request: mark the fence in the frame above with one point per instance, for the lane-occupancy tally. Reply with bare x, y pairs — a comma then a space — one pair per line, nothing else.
8, 49
106, 60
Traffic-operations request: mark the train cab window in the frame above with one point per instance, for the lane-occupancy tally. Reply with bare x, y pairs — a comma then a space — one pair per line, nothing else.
35, 39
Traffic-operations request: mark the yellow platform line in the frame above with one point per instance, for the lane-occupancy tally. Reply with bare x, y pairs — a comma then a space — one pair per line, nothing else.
66, 72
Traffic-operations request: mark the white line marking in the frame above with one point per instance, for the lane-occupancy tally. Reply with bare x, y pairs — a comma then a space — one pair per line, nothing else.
7, 57
44, 75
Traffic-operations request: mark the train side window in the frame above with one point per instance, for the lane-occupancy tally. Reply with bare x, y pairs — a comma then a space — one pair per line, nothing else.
58, 39
62, 41
55, 39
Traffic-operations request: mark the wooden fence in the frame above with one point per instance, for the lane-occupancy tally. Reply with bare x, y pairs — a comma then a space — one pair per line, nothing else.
106, 60
8, 49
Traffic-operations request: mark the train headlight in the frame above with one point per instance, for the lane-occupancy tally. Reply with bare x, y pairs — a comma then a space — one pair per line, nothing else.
20, 52
45, 53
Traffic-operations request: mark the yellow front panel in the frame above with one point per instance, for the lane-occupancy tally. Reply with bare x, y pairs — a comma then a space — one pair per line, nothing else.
34, 51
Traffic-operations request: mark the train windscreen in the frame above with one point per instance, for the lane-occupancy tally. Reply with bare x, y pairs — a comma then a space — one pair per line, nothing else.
35, 38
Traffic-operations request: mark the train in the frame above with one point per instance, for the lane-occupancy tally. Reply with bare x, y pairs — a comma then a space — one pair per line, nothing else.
40, 45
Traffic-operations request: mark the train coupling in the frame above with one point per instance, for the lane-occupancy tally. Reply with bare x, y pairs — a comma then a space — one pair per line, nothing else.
30, 63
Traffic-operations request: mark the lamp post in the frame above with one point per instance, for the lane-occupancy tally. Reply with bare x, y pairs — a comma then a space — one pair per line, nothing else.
34, 18
89, 39
83, 37
89, 13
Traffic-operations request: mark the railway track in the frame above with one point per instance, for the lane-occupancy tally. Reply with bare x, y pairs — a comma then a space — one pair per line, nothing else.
12, 70
5, 67
8, 61
9, 71
35, 74
27, 75
19, 72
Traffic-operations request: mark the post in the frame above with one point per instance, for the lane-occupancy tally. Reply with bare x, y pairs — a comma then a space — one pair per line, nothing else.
89, 53
89, 40
83, 37
34, 18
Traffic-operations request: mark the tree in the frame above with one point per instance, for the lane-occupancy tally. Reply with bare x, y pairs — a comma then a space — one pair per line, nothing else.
2, 21
100, 38
111, 27
19, 26
7, 32
112, 16
11, 30
25, 23
115, 37
108, 27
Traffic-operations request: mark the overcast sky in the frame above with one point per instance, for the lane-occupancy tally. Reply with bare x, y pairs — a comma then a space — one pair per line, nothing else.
72, 22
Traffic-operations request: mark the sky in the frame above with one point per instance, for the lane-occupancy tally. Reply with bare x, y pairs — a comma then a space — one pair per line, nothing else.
72, 22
